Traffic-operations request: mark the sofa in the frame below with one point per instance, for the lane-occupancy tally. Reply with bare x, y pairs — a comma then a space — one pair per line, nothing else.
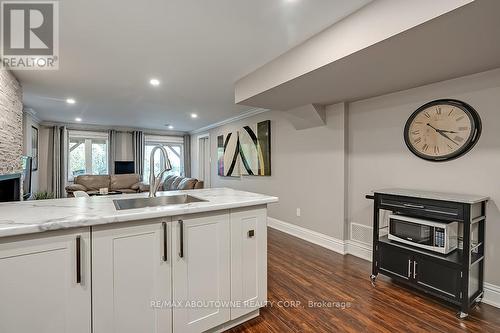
174, 183
129, 183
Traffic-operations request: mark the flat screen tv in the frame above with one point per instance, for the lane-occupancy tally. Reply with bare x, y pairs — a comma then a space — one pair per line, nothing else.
124, 167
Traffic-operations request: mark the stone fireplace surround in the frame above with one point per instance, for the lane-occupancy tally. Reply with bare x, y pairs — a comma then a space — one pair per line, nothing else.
11, 124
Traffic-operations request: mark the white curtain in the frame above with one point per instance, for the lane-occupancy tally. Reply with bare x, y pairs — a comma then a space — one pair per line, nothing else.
138, 146
59, 161
187, 155
111, 151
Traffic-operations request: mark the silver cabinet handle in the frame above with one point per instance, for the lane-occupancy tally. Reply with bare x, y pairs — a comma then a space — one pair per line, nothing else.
414, 269
165, 241
409, 268
181, 238
78, 259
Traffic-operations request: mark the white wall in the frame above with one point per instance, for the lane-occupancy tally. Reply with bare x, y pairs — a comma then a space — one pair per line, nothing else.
378, 156
308, 165
307, 171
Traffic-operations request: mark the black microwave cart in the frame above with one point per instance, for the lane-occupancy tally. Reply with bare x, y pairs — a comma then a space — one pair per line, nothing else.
456, 277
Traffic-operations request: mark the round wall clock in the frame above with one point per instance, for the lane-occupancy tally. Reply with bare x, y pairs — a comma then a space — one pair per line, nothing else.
442, 130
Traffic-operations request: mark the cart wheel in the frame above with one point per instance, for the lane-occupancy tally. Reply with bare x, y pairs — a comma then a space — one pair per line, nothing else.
373, 278
462, 315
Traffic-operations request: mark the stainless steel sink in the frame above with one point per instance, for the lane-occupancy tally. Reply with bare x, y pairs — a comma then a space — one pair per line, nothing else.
121, 204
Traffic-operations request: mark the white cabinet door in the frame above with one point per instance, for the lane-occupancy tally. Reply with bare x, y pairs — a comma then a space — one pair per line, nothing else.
201, 270
129, 272
45, 282
248, 259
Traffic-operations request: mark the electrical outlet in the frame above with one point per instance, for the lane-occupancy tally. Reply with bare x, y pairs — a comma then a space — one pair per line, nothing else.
298, 212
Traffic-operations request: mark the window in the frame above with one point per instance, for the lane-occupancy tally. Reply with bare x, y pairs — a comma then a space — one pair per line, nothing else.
175, 151
87, 153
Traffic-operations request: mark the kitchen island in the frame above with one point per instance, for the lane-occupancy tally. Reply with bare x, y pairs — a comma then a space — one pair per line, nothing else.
82, 265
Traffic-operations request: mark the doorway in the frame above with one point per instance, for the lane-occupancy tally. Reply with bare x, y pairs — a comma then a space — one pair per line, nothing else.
204, 159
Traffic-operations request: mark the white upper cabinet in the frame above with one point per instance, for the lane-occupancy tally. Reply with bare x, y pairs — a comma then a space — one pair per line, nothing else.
131, 269
248, 259
45, 282
201, 270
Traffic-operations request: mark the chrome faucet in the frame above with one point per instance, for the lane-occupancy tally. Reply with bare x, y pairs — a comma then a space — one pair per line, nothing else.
154, 181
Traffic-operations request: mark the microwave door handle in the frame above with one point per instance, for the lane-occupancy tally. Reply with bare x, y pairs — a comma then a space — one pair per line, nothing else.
409, 268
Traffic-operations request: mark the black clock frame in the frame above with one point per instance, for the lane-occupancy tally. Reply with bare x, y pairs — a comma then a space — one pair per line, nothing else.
469, 144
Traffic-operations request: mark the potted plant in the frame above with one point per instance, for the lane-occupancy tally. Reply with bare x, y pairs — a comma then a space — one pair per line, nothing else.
43, 195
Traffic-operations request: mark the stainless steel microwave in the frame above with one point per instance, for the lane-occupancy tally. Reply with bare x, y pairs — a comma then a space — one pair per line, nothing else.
440, 237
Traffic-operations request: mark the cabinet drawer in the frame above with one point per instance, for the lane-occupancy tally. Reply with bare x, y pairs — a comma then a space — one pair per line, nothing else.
424, 208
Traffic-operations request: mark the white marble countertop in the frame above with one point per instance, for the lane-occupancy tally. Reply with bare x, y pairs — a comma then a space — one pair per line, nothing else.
17, 218
462, 198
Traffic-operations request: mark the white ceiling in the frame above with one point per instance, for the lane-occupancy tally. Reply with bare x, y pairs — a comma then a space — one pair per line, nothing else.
395, 62
197, 48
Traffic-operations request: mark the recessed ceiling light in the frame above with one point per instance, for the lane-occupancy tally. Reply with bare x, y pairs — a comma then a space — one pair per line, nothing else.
78, 119
194, 115
154, 82
70, 101
170, 127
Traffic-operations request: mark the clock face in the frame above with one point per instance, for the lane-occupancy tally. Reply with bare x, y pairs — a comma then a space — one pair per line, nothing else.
442, 130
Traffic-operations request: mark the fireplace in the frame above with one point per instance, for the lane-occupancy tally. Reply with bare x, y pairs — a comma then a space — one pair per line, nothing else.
10, 187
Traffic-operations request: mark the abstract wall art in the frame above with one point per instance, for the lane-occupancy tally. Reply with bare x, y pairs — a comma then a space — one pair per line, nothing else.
228, 155
245, 152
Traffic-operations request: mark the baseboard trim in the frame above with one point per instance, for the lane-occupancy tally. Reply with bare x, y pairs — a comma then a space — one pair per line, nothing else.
235, 322
363, 251
491, 295
359, 250
331, 243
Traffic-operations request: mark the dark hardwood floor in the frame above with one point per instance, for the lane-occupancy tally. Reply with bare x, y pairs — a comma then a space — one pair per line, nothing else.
301, 271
